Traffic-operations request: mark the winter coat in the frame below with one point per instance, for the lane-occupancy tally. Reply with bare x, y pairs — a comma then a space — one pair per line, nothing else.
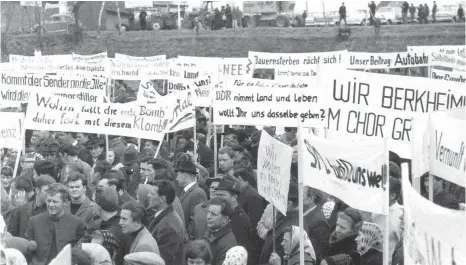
198, 221
371, 257
343, 245
20, 218
190, 199
241, 227
319, 231
220, 242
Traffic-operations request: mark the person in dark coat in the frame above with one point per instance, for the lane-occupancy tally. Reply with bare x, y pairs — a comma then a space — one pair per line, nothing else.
240, 224
205, 154
319, 231
61, 228
460, 13
113, 179
217, 19
369, 245
342, 241
191, 194
142, 19
96, 147
441, 197
229, 17
434, 12
80, 205
219, 235
253, 204
167, 227
342, 12
372, 9
412, 12
131, 171
21, 215
404, 12
427, 13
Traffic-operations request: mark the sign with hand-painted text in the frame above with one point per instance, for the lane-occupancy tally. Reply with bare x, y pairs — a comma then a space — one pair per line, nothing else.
365, 60
11, 130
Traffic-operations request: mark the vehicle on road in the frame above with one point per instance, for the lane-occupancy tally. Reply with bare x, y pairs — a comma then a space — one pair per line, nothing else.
357, 17
58, 23
271, 13
389, 15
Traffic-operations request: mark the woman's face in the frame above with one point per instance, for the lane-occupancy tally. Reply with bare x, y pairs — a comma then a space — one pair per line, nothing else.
197, 261
13, 153
286, 243
110, 157
6, 180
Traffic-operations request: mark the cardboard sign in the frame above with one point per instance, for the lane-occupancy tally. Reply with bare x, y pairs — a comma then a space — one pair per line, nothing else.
432, 234
136, 70
450, 76
11, 130
458, 50
365, 60
42, 58
353, 172
450, 61
273, 171
124, 57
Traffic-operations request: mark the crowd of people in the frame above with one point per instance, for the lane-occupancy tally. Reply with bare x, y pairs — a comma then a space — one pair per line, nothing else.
121, 200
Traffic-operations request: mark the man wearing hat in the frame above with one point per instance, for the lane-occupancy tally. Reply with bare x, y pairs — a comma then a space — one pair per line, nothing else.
191, 194
97, 146
132, 163
240, 224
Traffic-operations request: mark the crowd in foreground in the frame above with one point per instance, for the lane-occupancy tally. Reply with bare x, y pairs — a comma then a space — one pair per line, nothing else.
129, 206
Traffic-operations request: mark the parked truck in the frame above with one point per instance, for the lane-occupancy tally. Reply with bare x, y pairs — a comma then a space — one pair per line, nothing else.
271, 13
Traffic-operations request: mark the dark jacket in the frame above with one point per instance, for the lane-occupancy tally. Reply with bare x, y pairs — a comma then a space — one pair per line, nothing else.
190, 199
220, 242
343, 245
169, 232
342, 11
125, 198
371, 257
446, 200
69, 229
85, 211
294, 259
319, 231
398, 254
85, 155
198, 221
20, 217
206, 157
241, 227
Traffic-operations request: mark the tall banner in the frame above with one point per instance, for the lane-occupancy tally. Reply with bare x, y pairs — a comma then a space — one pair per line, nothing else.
366, 60
447, 157
432, 234
353, 172
273, 171
449, 76
11, 130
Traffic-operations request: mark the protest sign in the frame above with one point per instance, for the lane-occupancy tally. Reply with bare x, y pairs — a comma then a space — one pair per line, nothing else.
447, 147
450, 61
62, 67
42, 58
450, 76
282, 66
124, 57
432, 234
258, 102
92, 59
63, 258
273, 171
458, 50
383, 105
136, 70
353, 172
235, 67
365, 60
11, 130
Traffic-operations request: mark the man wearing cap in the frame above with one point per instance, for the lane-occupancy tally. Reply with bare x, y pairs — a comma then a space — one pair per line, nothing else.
131, 161
96, 147
21, 215
54, 229
239, 220
191, 194
198, 221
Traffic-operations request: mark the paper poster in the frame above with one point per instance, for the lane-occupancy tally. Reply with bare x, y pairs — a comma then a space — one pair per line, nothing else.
136, 70
61, 67
451, 61
447, 157
63, 258
124, 57
42, 58
366, 60
50, 112
11, 130
259, 102
353, 172
450, 76
432, 234
92, 59
273, 171
283, 66
458, 50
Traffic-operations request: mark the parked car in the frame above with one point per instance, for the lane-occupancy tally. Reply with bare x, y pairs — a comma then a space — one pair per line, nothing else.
357, 17
389, 15
318, 19
443, 15
58, 23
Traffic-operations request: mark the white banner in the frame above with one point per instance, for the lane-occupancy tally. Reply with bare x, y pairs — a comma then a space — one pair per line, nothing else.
40, 59
137, 70
365, 60
11, 130
458, 50
447, 147
450, 76
433, 234
283, 66
124, 57
92, 59
273, 171
353, 172
258, 102
137, 4
450, 61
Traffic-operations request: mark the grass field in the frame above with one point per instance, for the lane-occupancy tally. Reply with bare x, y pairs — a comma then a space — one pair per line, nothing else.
229, 43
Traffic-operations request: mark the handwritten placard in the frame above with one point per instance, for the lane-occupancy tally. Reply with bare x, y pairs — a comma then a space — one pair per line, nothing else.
11, 130
365, 60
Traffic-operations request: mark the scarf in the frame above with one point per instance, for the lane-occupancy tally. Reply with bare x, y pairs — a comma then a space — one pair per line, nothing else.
370, 237
236, 256
295, 239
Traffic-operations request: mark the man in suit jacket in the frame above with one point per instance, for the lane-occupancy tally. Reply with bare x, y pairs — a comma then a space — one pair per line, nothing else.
80, 205
167, 227
54, 229
136, 237
191, 194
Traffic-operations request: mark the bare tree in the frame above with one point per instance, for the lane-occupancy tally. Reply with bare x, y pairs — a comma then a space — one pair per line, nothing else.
100, 16
119, 17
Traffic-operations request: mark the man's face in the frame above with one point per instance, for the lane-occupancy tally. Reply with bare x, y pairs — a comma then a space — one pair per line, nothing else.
96, 151
291, 134
225, 194
286, 243
77, 189
34, 137
238, 156
343, 227
215, 219
154, 199
55, 204
82, 138
103, 183
213, 189
41, 194
6, 180
147, 171
230, 137
181, 178
150, 148
126, 222
437, 184
51, 155
63, 138
42, 135
225, 162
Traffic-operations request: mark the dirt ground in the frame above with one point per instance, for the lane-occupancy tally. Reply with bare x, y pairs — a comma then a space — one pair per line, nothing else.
237, 43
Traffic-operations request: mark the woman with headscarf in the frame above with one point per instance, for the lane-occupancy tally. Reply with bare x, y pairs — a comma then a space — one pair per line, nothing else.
398, 253
236, 256
369, 245
291, 247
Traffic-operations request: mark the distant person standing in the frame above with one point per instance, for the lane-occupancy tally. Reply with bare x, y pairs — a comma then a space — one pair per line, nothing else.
240, 17
342, 12
420, 13
434, 12
412, 12
372, 8
426, 13
404, 12
460, 13
234, 16
229, 16
304, 17
142, 19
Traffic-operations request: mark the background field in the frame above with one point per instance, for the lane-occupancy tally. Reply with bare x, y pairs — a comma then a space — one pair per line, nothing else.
229, 43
